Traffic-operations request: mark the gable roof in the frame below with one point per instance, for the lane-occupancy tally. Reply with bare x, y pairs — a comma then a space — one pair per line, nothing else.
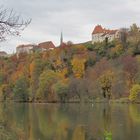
99, 29
46, 45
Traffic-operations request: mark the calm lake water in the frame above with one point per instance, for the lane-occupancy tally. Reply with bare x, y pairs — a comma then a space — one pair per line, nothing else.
69, 122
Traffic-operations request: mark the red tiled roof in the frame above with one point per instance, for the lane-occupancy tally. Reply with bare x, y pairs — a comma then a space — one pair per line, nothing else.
99, 29
46, 45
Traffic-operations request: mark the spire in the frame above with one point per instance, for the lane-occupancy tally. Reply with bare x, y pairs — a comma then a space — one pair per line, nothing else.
61, 38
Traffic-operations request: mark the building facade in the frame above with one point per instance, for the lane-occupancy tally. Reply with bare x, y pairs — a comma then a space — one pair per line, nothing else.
3, 54
21, 49
30, 48
45, 46
101, 34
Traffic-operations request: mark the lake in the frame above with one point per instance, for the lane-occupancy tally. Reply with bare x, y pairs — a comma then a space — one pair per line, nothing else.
69, 122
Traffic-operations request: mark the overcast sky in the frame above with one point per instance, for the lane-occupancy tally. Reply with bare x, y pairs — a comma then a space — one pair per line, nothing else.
76, 18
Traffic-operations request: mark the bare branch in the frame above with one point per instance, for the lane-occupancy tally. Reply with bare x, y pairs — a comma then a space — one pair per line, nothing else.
11, 23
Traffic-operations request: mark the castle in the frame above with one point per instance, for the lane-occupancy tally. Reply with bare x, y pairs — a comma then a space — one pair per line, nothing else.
101, 34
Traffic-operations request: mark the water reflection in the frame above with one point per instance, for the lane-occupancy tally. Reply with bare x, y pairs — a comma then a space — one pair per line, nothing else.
69, 122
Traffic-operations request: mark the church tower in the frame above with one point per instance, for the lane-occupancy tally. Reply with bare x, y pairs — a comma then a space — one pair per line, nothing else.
61, 39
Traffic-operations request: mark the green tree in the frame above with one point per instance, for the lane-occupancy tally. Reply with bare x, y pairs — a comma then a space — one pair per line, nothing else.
134, 36
46, 81
61, 89
21, 90
1, 78
35, 71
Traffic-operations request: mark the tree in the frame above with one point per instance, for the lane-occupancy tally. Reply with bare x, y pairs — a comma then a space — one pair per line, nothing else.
130, 67
35, 71
4, 91
102, 75
116, 51
46, 81
78, 67
11, 23
134, 35
106, 80
91, 59
134, 28
135, 93
69, 43
1, 78
21, 90
78, 89
61, 90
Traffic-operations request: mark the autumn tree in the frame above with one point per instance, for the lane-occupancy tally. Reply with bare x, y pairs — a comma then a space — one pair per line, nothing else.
5, 91
135, 93
116, 51
102, 75
46, 81
134, 33
134, 38
35, 71
78, 89
11, 23
2, 77
78, 66
106, 80
130, 68
91, 59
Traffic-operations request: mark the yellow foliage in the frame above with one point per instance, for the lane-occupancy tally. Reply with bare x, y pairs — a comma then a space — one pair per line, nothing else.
31, 69
134, 92
78, 67
106, 79
80, 48
63, 73
58, 62
117, 50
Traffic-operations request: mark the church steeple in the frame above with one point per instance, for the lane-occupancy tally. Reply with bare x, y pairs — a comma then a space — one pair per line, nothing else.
61, 38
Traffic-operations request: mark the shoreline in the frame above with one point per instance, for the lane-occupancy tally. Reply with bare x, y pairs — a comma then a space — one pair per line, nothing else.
98, 101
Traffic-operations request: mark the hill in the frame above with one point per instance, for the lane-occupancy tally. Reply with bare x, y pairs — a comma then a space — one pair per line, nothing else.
82, 72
